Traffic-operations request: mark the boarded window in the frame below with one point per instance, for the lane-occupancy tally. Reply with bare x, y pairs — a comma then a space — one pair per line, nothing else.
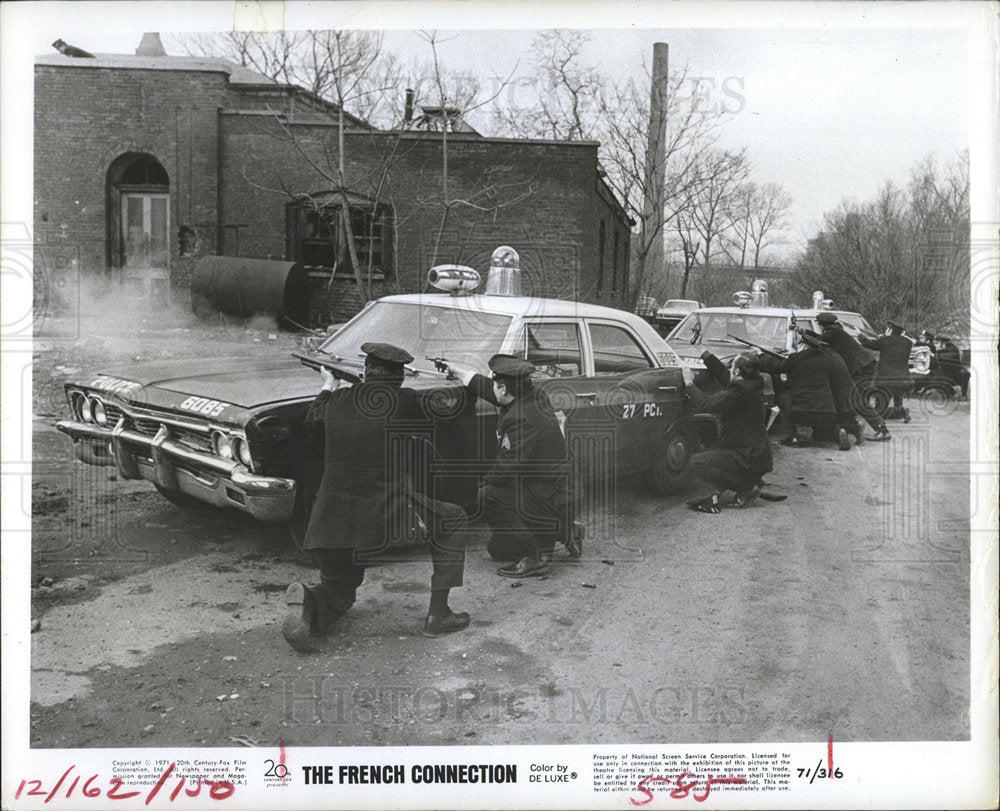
317, 236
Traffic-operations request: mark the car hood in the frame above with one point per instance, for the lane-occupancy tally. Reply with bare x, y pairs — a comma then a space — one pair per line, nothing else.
243, 382
236, 386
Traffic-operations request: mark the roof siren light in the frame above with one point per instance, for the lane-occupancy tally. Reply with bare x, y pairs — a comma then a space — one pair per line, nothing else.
742, 298
455, 279
820, 302
504, 278
758, 296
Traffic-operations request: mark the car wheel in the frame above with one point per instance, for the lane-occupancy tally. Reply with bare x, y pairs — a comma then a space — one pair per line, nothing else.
937, 393
668, 473
183, 500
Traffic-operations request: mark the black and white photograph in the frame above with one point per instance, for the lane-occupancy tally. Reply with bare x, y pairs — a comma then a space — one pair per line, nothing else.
500, 405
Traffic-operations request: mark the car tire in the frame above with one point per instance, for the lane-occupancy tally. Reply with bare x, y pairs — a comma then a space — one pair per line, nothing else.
937, 393
668, 473
183, 500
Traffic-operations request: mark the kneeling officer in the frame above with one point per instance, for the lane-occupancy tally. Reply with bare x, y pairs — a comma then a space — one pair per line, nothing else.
527, 496
367, 504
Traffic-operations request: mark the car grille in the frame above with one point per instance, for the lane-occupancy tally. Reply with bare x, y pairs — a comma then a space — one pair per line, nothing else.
114, 413
193, 439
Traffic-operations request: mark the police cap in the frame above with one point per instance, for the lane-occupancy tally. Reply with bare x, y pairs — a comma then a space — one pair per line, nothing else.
827, 318
510, 367
387, 353
812, 338
894, 325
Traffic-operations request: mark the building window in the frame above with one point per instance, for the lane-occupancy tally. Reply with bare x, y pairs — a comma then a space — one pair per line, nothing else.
601, 239
316, 235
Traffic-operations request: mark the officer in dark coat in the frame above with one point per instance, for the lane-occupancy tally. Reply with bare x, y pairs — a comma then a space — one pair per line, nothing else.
367, 503
743, 454
950, 361
893, 372
810, 392
861, 365
841, 386
527, 496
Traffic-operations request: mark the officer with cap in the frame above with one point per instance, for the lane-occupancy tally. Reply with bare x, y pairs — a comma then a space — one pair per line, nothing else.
861, 366
841, 386
527, 497
743, 454
811, 401
893, 372
367, 503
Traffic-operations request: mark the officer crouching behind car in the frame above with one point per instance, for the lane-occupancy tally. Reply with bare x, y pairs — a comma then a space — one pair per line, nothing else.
527, 495
367, 503
743, 454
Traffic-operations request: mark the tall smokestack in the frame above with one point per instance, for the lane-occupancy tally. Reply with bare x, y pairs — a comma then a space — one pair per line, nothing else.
656, 164
408, 109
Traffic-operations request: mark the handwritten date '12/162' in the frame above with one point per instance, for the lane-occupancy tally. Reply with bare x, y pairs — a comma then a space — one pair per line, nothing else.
218, 789
683, 788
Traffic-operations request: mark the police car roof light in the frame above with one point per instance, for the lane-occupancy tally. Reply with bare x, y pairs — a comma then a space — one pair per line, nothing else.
504, 278
454, 279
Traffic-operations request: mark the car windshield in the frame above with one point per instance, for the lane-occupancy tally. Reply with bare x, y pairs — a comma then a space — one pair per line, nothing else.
462, 335
768, 331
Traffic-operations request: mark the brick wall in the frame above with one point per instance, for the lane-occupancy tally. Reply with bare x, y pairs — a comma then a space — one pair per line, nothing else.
85, 118
536, 196
232, 167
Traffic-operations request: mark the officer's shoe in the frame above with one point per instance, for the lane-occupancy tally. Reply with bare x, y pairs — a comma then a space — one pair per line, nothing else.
842, 441
746, 497
435, 626
881, 435
526, 567
859, 435
906, 415
708, 505
300, 622
791, 441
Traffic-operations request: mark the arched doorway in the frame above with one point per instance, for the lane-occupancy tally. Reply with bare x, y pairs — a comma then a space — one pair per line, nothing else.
139, 222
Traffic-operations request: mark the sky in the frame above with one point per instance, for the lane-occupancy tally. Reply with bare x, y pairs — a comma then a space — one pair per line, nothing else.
830, 100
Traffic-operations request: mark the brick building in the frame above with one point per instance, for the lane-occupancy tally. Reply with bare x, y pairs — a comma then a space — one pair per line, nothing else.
145, 163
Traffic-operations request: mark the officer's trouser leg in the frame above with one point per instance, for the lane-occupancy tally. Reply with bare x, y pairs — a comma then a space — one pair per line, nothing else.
859, 399
448, 542
340, 577
511, 538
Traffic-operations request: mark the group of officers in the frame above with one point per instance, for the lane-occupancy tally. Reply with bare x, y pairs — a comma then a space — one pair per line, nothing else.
368, 498
368, 501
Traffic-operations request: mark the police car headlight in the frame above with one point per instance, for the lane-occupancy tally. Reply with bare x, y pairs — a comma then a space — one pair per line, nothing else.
221, 445
87, 409
76, 402
98, 412
242, 451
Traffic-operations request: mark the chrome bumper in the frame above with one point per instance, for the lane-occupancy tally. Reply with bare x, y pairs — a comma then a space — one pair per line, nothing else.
174, 466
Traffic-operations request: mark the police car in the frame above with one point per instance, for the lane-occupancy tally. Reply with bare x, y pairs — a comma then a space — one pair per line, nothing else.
231, 433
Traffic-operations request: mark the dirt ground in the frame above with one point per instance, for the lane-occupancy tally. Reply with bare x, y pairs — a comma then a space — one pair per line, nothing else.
841, 611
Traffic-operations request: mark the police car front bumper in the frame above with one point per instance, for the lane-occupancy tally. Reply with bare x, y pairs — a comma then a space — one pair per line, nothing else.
174, 466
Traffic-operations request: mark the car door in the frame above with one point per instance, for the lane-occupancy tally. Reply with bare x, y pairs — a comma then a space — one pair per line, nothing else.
558, 349
641, 399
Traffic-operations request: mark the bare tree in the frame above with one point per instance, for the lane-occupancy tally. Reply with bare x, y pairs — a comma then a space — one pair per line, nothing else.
564, 102
904, 255
758, 218
711, 206
348, 68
